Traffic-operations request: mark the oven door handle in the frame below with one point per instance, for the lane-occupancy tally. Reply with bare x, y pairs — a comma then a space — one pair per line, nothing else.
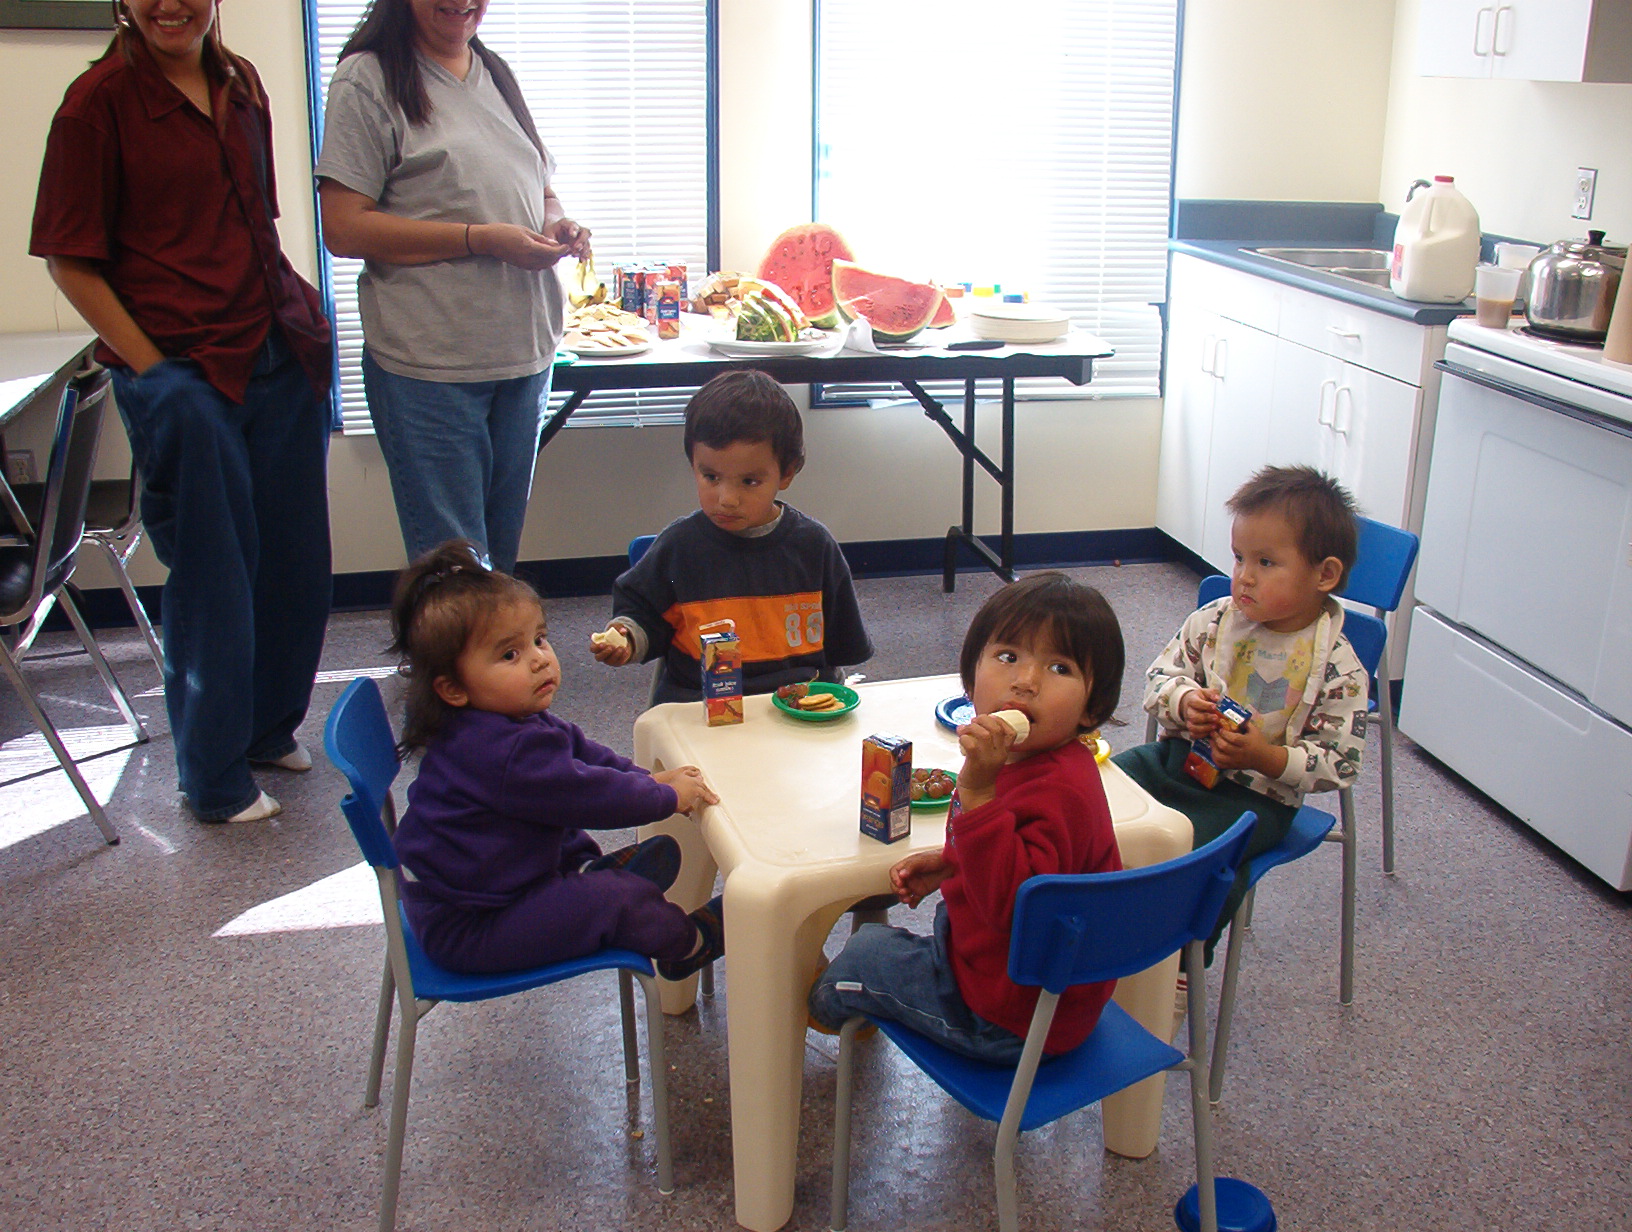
1546, 403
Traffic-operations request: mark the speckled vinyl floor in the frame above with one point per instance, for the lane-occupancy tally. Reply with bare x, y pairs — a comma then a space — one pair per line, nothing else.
185, 1018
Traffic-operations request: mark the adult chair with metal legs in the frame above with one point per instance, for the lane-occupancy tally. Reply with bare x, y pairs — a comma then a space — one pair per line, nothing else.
37, 563
359, 742
1071, 930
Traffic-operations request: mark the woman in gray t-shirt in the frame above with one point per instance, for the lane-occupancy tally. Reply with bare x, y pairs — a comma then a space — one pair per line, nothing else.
434, 174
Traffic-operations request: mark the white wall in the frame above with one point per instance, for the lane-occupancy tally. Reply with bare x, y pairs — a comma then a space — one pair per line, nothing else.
871, 475
1513, 146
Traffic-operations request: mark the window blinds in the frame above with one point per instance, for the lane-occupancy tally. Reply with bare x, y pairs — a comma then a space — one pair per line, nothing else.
619, 92
1028, 146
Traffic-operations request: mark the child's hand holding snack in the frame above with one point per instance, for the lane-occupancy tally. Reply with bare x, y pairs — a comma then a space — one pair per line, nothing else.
1198, 709
688, 784
986, 742
1246, 749
611, 646
919, 875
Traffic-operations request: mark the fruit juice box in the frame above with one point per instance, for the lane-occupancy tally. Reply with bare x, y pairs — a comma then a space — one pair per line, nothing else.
1200, 765
722, 673
886, 787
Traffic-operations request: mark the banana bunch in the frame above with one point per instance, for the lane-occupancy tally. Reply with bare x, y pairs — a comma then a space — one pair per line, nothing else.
584, 285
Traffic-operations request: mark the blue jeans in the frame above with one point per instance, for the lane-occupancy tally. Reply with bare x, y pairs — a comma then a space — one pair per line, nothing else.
235, 501
887, 972
460, 455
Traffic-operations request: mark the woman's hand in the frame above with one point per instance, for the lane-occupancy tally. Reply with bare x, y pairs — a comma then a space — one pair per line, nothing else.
919, 875
689, 786
571, 236
518, 246
985, 743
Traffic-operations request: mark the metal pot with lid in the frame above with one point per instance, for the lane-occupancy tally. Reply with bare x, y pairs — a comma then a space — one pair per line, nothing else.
1572, 288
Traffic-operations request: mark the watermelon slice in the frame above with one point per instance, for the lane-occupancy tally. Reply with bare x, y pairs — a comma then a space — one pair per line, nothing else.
895, 308
800, 261
944, 315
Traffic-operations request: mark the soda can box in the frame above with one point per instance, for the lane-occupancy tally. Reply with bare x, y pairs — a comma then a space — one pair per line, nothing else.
1200, 765
886, 787
722, 673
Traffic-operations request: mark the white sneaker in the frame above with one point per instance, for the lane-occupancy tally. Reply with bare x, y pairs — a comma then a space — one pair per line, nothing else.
297, 760
261, 808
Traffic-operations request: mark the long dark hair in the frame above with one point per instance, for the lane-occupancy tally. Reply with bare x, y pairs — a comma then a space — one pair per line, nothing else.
220, 65
441, 601
387, 29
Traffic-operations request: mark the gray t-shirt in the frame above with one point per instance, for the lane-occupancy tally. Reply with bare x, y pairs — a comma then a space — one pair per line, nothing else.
472, 318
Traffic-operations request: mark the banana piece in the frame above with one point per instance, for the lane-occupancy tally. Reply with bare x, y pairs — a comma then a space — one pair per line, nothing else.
1018, 722
611, 636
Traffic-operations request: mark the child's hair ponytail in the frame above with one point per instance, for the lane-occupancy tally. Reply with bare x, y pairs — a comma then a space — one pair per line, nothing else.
440, 602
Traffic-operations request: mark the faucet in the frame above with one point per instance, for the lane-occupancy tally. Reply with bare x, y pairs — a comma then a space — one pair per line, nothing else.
1416, 184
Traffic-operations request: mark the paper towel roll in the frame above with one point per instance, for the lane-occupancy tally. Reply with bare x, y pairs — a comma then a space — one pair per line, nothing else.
1618, 345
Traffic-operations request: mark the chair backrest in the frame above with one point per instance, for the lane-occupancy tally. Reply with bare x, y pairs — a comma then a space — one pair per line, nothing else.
638, 547
359, 742
1078, 929
1381, 565
67, 486
1214, 586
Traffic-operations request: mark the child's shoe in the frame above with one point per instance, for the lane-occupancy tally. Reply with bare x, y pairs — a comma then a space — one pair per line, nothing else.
657, 859
297, 760
259, 809
821, 1028
710, 922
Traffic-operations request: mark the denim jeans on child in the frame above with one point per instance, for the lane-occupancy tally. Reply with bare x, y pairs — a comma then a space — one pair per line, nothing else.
235, 500
460, 455
906, 977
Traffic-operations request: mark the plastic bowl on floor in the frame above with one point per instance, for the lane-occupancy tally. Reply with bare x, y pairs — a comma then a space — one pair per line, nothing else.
1241, 1208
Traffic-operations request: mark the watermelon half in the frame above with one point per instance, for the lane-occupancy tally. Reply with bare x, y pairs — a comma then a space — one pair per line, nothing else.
895, 308
800, 261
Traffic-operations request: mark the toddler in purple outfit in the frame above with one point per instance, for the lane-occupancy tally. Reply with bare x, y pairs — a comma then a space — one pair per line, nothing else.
499, 872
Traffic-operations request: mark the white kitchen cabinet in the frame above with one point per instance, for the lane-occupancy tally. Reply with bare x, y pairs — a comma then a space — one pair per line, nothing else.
1262, 373
1526, 40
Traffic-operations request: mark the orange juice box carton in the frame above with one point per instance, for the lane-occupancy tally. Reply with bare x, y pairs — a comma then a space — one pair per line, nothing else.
1200, 765
722, 673
886, 787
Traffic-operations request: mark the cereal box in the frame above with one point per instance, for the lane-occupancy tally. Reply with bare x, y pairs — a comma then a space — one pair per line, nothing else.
1200, 765
722, 673
886, 787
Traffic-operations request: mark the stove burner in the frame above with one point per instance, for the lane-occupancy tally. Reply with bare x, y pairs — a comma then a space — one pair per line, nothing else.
1547, 335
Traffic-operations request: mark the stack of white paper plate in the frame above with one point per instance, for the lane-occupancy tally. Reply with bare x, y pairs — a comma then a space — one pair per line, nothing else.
1017, 322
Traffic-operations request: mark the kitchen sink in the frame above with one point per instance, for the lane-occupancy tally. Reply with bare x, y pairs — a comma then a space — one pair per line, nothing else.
1368, 265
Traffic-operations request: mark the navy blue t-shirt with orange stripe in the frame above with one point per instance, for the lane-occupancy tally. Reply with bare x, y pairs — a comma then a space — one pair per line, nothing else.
789, 593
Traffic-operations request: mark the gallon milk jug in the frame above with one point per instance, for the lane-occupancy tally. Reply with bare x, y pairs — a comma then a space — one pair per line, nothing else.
1436, 246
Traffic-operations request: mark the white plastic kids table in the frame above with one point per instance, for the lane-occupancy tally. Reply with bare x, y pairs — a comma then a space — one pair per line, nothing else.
787, 836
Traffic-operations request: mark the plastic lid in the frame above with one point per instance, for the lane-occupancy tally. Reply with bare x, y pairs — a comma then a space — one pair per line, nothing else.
1013, 297
1241, 1208
1444, 179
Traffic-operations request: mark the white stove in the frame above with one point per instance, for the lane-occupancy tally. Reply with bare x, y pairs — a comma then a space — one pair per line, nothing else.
1579, 374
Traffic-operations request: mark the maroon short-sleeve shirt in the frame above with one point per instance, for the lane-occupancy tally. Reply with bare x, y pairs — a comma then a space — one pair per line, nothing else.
177, 209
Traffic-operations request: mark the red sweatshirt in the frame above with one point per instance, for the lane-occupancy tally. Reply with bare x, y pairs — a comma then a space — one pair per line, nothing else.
1049, 816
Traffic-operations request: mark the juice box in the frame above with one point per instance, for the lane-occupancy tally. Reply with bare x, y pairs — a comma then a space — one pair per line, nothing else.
886, 787
1200, 765
668, 309
722, 673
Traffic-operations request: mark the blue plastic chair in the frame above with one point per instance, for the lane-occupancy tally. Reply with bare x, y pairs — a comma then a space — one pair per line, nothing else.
359, 742
1075, 930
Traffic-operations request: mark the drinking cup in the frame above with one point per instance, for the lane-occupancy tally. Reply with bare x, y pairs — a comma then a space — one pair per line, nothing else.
1518, 256
1494, 287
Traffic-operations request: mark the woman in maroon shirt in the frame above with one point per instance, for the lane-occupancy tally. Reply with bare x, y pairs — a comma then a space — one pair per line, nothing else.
155, 213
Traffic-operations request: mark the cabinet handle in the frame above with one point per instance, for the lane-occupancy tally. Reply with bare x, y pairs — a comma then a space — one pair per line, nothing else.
1209, 353
1325, 419
1496, 47
1221, 352
1478, 26
1350, 334
1340, 421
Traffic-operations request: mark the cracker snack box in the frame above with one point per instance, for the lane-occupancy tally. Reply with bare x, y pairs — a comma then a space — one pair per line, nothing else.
722, 673
886, 787
1200, 765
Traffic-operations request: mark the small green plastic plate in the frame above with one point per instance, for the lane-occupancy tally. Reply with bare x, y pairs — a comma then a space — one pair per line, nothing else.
927, 804
849, 697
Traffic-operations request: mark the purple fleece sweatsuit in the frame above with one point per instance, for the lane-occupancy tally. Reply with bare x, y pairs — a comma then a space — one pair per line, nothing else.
493, 838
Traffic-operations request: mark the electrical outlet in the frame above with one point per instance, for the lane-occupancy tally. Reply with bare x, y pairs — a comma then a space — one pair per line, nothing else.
1586, 183
20, 466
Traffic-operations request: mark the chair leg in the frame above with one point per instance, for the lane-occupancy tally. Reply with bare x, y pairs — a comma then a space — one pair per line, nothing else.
626, 1011
382, 1033
1385, 715
657, 1059
1201, 1111
49, 731
111, 682
1346, 962
706, 982
399, 1121
839, 1214
117, 559
1226, 999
